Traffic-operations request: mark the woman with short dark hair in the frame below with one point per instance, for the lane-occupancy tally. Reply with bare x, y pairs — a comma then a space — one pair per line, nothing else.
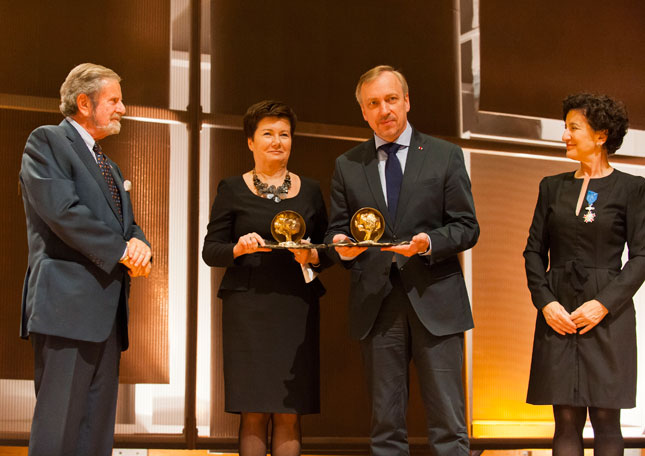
584, 351
270, 319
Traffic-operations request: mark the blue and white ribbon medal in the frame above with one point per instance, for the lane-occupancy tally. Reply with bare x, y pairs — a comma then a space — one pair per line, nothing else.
590, 215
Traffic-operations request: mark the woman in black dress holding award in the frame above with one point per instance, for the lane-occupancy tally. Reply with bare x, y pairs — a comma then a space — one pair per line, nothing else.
270, 318
584, 352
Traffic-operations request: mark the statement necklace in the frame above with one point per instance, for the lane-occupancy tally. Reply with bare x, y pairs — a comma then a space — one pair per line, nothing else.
271, 191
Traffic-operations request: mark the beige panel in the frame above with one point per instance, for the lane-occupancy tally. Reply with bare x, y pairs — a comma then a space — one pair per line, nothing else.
505, 190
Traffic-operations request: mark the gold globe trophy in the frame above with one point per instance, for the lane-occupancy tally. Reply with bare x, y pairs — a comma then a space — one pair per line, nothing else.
367, 225
288, 229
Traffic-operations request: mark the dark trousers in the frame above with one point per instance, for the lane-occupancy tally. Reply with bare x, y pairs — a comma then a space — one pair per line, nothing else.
76, 391
397, 337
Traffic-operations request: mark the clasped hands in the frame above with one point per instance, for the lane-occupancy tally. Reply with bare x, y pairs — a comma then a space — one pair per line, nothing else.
587, 316
418, 244
253, 242
137, 258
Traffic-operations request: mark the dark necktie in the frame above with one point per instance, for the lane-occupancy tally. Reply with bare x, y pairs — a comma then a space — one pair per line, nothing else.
393, 177
106, 170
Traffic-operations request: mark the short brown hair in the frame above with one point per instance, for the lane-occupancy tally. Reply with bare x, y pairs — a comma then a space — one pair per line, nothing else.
374, 73
267, 108
87, 78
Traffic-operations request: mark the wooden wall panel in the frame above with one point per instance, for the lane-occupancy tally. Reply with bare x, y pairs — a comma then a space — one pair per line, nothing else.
505, 189
142, 152
15, 355
49, 38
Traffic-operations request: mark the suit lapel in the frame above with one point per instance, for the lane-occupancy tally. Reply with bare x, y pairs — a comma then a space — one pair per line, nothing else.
370, 165
417, 154
86, 157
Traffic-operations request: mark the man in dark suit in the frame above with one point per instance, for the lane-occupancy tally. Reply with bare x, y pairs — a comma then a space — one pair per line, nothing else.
407, 302
84, 246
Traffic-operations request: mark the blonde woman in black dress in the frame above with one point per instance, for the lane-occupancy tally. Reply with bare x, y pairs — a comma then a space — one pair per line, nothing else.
270, 320
584, 352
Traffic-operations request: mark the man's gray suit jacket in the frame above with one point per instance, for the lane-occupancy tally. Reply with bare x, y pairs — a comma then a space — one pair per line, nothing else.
74, 281
435, 199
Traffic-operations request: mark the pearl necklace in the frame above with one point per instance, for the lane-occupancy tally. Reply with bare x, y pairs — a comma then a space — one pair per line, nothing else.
271, 191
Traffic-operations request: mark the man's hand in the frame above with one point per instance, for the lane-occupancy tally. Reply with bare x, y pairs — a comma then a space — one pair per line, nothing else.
419, 244
138, 253
589, 315
136, 271
347, 253
558, 318
141, 271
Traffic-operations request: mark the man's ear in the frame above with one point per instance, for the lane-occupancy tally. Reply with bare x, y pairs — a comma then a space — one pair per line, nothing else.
84, 105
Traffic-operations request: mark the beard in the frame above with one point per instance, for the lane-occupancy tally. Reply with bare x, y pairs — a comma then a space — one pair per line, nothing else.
113, 127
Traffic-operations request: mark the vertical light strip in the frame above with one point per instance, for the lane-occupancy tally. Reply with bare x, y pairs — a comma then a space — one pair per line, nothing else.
204, 339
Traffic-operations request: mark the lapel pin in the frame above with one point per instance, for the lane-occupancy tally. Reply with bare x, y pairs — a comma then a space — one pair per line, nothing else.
420, 148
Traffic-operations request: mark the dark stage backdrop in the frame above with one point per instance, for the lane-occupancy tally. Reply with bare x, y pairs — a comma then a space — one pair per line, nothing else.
533, 54
310, 55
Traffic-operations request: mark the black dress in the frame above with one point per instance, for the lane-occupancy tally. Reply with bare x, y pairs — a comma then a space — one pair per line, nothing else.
596, 369
270, 318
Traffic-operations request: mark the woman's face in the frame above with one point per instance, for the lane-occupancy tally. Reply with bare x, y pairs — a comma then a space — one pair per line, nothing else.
581, 140
271, 142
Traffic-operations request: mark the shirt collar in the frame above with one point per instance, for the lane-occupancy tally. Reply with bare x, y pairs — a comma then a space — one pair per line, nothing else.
402, 140
87, 138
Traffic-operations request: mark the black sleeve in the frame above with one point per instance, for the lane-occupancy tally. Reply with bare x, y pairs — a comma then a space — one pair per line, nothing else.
624, 286
219, 243
536, 253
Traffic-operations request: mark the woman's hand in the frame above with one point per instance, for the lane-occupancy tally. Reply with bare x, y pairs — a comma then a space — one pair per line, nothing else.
304, 256
558, 318
249, 243
589, 315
